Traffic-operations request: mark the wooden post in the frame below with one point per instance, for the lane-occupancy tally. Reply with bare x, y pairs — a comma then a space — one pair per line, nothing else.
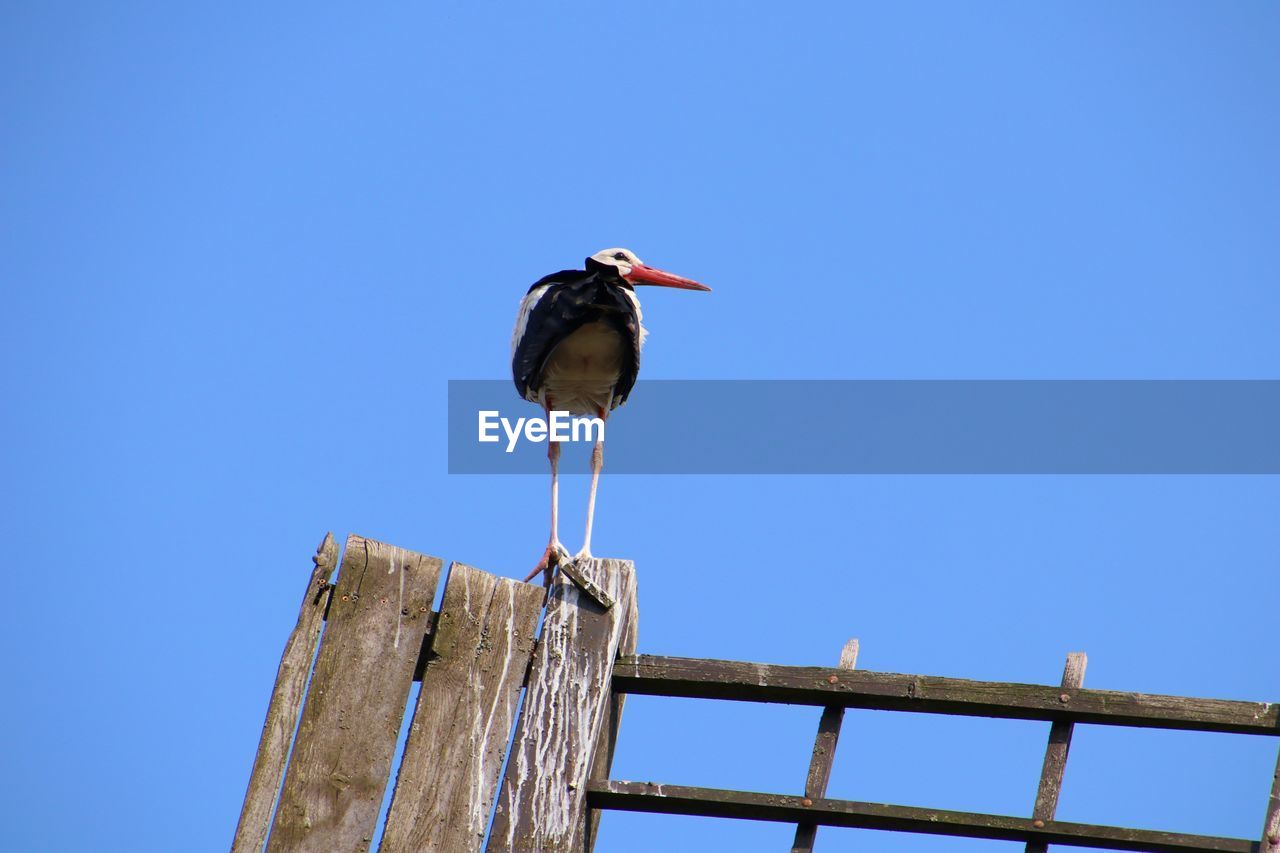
1055, 754
542, 804
607, 742
824, 755
475, 669
342, 757
1271, 826
286, 704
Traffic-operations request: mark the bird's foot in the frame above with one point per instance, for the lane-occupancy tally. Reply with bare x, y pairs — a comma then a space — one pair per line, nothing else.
552, 557
584, 554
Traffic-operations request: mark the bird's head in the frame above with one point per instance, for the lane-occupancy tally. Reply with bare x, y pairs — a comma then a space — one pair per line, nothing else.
625, 263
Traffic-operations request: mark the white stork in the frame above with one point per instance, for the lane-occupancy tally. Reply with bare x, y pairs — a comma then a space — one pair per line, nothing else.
576, 348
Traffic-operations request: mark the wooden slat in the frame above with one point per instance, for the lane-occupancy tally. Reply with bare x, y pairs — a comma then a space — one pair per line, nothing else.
804, 685
710, 802
824, 755
347, 739
1271, 826
607, 742
286, 704
542, 803
586, 584
1055, 754
479, 654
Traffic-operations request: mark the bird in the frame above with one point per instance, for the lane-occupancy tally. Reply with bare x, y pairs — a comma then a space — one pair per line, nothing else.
576, 348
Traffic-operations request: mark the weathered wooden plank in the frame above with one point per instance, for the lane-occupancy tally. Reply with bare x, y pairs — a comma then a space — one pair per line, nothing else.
351, 721
1271, 826
803, 685
470, 689
1055, 753
543, 799
285, 704
824, 755
585, 583
607, 742
710, 802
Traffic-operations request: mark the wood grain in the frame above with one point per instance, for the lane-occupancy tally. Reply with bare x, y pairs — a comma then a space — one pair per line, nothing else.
351, 721
542, 803
285, 704
1271, 825
607, 742
470, 690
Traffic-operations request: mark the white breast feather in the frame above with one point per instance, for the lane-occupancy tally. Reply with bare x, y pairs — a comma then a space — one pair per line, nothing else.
583, 370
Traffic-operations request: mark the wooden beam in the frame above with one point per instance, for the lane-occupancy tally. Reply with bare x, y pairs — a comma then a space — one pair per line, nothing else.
824, 755
710, 802
350, 724
887, 691
470, 689
285, 704
543, 801
1055, 754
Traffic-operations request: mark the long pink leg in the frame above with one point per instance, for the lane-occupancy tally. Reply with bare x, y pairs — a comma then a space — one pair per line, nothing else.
597, 462
555, 551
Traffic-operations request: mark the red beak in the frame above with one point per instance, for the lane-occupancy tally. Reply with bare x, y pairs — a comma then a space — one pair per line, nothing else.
640, 274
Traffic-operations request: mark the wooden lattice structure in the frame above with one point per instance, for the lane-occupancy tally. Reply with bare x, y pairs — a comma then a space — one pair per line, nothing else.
329, 741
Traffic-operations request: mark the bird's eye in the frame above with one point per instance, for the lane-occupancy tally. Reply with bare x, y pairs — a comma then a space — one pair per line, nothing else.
618, 256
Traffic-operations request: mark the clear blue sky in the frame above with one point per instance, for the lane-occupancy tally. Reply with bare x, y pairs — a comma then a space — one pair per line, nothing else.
244, 246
